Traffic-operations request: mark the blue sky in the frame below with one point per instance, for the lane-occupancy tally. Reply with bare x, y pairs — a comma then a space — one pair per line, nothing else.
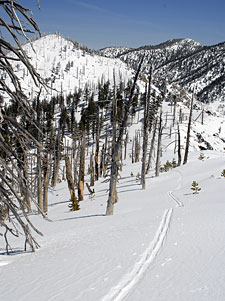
99, 23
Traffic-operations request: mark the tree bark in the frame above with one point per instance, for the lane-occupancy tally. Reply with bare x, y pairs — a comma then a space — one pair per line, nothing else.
159, 145
152, 146
188, 131
46, 183
82, 167
179, 146
145, 131
74, 202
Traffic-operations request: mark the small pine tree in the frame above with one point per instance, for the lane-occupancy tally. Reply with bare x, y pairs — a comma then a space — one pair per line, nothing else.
195, 187
223, 173
201, 157
168, 166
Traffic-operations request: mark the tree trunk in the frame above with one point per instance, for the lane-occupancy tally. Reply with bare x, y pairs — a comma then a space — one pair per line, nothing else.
57, 156
102, 164
39, 170
157, 166
146, 131
46, 183
152, 146
92, 169
125, 146
113, 177
179, 146
97, 146
74, 202
117, 142
174, 109
82, 167
188, 131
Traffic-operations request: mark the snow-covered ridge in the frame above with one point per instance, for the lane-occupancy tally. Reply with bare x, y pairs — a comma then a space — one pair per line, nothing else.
66, 67
187, 62
114, 51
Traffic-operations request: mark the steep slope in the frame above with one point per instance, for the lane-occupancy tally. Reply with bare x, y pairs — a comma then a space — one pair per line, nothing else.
162, 53
113, 52
188, 63
203, 70
66, 65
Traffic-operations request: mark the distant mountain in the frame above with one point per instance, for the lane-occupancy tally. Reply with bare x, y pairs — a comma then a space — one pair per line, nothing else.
186, 62
114, 51
203, 70
67, 65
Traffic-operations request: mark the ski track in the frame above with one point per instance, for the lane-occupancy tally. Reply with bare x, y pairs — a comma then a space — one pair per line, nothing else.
120, 291
175, 199
127, 283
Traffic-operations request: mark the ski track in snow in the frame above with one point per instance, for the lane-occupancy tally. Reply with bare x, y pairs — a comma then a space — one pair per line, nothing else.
175, 199
118, 292
171, 193
128, 282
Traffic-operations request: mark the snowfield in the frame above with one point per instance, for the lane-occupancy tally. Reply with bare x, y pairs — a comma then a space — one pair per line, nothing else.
164, 243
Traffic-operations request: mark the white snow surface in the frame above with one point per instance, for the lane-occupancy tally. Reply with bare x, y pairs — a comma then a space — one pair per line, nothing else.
162, 244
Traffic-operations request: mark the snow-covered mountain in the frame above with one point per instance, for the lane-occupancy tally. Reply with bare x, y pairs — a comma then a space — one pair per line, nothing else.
114, 51
66, 65
186, 62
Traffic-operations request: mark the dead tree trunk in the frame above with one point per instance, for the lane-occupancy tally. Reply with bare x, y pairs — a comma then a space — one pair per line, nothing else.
113, 178
27, 200
125, 146
117, 142
137, 148
92, 169
145, 131
174, 109
179, 146
57, 155
102, 164
82, 167
46, 183
157, 165
75, 162
152, 146
188, 131
97, 145
39, 169
74, 202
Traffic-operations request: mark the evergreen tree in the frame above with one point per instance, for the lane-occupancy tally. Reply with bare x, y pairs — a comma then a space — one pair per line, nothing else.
195, 188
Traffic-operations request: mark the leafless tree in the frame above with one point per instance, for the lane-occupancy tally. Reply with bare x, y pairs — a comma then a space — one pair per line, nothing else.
17, 22
188, 131
116, 144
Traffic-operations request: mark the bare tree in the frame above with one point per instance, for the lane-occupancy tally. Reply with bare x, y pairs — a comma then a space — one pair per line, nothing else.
112, 198
188, 131
160, 129
146, 130
17, 21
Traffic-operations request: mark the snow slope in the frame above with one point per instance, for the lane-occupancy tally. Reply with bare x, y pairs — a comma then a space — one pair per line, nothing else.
66, 66
162, 244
